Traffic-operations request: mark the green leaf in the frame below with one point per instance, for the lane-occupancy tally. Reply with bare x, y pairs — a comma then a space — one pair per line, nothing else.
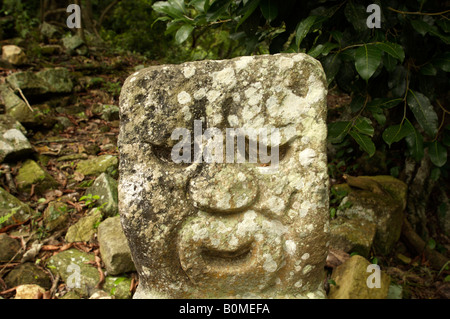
217, 9
396, 133
367, 60
384, 103
444, 24
364, 141
183, 33
248, 10
420, 26
199, 5
338, 130
364, 126
269, 9
414, 142
423, 111
393, 49
303, 28
438, 154
428, 69
167, 8
332, 282
443, 61
322, 49
331, 65
378, 115
389, 62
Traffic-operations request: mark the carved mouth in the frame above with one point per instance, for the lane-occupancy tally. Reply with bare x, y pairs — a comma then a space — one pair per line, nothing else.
219, 258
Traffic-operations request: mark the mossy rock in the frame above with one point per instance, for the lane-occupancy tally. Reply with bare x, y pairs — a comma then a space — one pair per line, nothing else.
12, 210
98, 165
56, 216
85, 228
31, 173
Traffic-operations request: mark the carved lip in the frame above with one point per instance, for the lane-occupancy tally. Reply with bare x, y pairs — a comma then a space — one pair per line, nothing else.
228, 257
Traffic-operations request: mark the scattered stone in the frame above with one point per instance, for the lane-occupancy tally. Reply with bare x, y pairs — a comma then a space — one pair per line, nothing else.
352, 235
71, 43
119, 287
226, 230
50, 49
49, 31
29, 292
106, 188
71, 295
13, 54
15, 106
13, 143
9, 249
395, 291
47, 81
98, 165
110, 113
74, 268
31, 173
100, 294
385, 210
114, 247
56, 216
351, 281
85, 228
12, 210
28, 273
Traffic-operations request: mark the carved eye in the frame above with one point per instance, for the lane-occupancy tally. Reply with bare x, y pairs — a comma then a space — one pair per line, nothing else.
164, 155
264, 153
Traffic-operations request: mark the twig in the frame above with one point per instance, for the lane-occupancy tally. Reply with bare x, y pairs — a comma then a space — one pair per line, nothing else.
420, 13
24, 98
9, 179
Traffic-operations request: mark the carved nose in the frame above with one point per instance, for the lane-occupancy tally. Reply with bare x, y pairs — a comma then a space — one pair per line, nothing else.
223, 188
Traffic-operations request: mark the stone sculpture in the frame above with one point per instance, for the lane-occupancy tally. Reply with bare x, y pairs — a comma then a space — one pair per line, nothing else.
221, 229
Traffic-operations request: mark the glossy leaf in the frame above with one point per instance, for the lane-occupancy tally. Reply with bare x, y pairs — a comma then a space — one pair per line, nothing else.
393, 49
183, 33
414, 142
248, 10
438, 154
364, 126
384, 103
303, 28
423, 111
396, 133
367, 60
269, 9
338, 130
364, 141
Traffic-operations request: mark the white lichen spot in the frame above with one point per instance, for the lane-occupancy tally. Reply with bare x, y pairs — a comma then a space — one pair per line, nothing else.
305, 256
290, 247
307, 156
243, 62
285, 63
189, 71
200, 94
225, 77
132, 79
299, 283
307, 269
184, 97
269, 264
253, 96
233, 120
212, 95
186, 113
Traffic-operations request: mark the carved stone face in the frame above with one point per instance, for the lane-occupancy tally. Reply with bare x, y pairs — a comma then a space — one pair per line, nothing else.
224, 230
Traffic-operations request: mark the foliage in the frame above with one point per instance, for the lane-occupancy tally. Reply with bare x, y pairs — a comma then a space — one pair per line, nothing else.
397, 75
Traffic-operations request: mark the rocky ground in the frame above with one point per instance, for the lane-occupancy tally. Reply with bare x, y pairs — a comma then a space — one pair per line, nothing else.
60, 234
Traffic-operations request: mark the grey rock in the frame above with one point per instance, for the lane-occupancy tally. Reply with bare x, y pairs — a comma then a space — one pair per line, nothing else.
71, 43
13, 142
114, 247
30, 173
226, 230
56, 216
74, 269
85, 228
15, 106
110, 113
47, 81
98, 165
12, 210
386, 211
9, 249
106, 188
28, 273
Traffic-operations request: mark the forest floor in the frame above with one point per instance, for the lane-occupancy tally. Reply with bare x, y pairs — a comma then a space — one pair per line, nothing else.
105, 73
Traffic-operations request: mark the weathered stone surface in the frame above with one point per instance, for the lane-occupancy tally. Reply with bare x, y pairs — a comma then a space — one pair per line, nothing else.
56, 80
72, 265
114, 247
9, 248
110, 112
72, 43
85, 228
13, 143
12, 209
29, 292
13, 54
119, 287
351, 281
98, 165
352, 235
28, 273
106, 187
224, 230
385, 210
56, 216
31, 173
15, 106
